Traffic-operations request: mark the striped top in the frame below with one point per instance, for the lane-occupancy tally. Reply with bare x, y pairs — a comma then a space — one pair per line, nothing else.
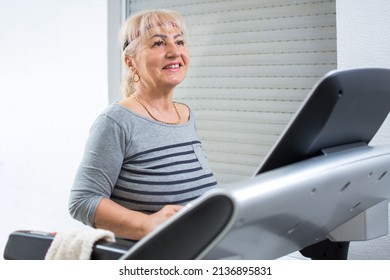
139, 163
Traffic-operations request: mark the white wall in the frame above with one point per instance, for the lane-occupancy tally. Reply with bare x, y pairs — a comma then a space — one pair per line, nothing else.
53, 83
363, 32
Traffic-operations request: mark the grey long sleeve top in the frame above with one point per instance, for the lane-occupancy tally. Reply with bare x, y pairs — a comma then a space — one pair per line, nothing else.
140, 164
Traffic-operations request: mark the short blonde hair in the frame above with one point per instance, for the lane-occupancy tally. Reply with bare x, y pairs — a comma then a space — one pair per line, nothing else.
137, 29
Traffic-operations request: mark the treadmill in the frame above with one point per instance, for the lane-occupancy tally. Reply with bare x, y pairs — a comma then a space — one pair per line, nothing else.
321, 186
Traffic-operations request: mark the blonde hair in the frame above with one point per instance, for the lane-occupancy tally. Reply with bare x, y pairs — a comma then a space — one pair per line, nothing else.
137, 29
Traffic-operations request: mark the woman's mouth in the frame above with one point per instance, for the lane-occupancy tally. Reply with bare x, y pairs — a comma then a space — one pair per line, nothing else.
172, 66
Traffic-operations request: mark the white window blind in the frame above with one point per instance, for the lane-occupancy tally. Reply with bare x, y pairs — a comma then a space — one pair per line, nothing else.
252, 64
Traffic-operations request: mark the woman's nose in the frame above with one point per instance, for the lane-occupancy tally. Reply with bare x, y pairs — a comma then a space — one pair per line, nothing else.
172, 50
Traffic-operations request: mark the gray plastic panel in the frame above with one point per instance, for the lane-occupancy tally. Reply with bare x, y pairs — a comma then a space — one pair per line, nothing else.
190, 233
289, 208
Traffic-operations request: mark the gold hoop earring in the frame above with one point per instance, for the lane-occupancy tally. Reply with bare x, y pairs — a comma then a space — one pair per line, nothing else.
136, 78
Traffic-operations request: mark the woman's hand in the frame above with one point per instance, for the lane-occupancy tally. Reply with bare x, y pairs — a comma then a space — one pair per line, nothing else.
155, 219
129, 223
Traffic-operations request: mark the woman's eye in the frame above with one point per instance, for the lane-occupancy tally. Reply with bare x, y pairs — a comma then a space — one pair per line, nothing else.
158, 43
180, 42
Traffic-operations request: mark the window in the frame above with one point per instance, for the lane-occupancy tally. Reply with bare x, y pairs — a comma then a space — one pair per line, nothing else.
252, 64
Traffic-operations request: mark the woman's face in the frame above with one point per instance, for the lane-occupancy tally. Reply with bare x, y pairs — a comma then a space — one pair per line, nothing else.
162, 60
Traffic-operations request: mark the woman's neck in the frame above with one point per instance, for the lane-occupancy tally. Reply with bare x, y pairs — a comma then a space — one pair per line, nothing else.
160, 100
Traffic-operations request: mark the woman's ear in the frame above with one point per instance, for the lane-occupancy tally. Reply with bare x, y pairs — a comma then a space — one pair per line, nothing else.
129, 62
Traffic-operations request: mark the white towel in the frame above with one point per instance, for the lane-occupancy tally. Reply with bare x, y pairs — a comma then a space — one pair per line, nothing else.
76, 244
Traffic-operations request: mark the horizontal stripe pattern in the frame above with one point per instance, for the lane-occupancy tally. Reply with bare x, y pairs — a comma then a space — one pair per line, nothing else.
169, 174
161, 149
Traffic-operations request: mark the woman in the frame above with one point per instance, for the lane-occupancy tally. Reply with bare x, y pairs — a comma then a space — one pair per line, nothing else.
143, 159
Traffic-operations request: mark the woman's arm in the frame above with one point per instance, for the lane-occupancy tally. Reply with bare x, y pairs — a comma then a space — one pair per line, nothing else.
128, 223
99, 169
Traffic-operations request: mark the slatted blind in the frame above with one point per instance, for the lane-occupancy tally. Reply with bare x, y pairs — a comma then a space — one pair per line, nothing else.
252, 64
